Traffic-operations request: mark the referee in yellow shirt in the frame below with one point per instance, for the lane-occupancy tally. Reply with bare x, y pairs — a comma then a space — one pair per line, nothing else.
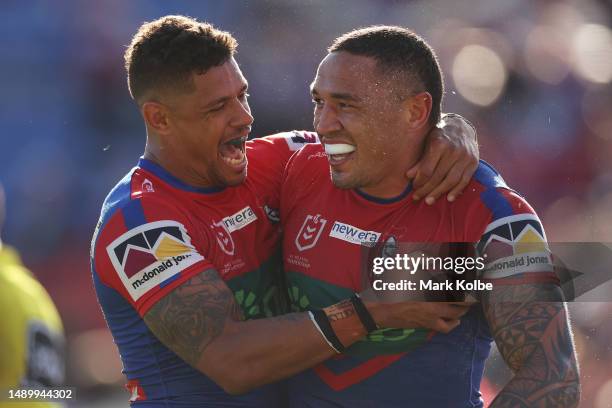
31, 333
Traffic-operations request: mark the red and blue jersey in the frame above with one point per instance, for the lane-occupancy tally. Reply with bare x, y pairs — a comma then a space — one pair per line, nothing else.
328, 234
155, 233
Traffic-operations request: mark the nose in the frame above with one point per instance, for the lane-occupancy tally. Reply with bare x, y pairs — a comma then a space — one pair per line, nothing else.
326, 120
242, 116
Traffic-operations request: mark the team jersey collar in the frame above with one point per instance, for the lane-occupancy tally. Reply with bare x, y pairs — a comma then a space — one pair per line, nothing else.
391, 200
163, 174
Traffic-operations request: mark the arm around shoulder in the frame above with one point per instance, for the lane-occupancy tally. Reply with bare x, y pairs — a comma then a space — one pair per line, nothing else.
201, 322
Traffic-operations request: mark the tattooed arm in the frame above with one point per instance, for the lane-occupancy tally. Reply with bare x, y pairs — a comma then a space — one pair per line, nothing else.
201, 323
531, 328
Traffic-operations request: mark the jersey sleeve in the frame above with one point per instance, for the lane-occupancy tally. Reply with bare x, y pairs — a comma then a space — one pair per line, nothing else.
513, 242
268, 157
147, 248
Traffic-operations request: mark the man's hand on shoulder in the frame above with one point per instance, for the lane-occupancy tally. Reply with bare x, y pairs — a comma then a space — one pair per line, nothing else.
449, 160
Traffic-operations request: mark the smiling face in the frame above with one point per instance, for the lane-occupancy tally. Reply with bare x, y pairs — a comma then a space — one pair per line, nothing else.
205, 129
368, 131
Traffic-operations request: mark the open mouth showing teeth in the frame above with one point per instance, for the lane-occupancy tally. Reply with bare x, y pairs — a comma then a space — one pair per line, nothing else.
233, 151
338, 153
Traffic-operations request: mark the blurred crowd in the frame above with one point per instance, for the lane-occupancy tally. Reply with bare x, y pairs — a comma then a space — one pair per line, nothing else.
533, 76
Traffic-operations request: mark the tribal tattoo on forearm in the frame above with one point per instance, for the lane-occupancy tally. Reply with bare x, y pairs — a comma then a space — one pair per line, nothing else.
193, 315
530, 326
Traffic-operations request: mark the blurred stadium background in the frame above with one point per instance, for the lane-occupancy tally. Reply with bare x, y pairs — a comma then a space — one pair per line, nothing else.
534, 77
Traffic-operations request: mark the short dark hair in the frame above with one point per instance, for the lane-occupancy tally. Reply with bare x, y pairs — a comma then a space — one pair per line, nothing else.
165, 53
398, 50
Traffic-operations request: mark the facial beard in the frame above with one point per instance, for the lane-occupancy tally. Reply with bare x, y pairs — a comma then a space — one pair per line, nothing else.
345, 181
220, 179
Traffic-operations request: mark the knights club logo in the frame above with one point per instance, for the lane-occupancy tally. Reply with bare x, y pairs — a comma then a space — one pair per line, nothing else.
149, 254
310, 232
223, 236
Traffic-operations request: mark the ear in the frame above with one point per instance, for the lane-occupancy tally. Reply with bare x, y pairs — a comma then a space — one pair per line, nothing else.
156, 117
419, 108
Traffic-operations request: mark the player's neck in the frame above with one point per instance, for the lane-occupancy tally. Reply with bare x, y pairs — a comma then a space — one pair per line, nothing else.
176, 166
394, 182
390, 187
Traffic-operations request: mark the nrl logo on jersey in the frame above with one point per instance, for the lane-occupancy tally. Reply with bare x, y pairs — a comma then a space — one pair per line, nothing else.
310, 232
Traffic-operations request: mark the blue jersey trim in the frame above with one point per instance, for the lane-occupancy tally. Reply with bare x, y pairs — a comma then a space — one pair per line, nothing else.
116, 197
491, 197
133, 214
391, 200
112, 202
163, 174
170, 280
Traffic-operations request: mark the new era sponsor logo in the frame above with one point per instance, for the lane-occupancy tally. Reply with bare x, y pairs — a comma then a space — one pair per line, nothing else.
310, 232
354, 235
239, 220
150, 254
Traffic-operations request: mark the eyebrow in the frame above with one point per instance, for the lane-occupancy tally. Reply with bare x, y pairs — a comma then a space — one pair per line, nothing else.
337, 95
244, 88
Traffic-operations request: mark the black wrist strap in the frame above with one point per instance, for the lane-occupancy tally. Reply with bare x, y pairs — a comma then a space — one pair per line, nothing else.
365, 316
321, 321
